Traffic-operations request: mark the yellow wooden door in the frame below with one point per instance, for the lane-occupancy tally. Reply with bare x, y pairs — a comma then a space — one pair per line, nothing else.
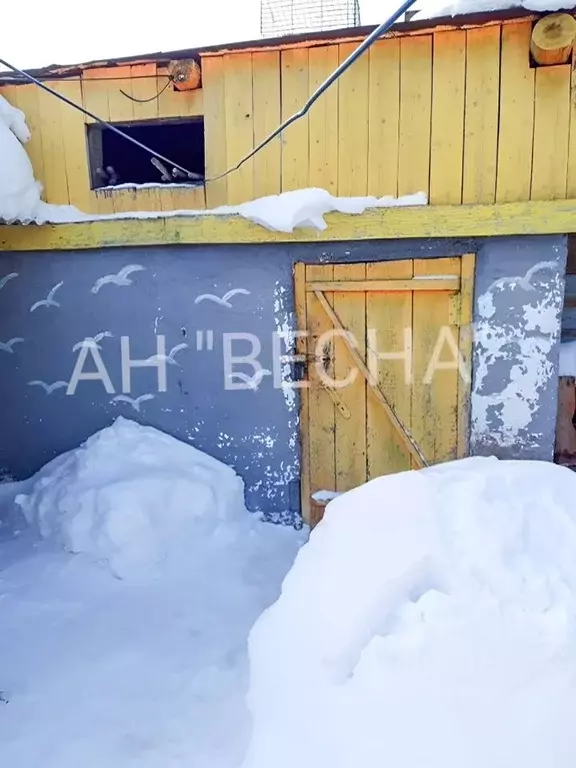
387, 351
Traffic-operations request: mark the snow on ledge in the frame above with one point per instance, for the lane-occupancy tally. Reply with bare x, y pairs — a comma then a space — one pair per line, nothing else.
302, 208
20, 194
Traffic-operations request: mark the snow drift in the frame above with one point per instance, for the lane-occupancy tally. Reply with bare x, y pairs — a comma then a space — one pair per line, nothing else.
133, 497
122, 672
429, 621
19, 191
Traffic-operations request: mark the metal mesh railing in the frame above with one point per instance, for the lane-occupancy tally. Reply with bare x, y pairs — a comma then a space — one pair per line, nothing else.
286, 17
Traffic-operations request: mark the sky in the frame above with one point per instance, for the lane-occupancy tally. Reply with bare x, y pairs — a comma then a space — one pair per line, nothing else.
58, 32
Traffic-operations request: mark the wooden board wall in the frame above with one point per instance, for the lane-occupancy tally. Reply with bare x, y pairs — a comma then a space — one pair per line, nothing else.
458, 114
58, 149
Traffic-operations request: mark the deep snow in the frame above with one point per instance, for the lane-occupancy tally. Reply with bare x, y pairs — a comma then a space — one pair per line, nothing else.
429, 622
132, 652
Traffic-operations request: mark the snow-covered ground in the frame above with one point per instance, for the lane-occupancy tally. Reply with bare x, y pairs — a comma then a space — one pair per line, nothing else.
430, 622
133, 651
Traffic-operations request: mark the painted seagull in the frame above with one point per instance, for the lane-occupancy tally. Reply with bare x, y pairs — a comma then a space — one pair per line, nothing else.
252, 382
524, 282
92, 341
8, 345
120, 279
7, 278
133, 401
48, 388
170, 358
224, 301
49, 300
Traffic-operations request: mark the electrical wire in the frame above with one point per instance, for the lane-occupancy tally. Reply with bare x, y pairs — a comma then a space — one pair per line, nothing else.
66, 100
153, 98
364, 45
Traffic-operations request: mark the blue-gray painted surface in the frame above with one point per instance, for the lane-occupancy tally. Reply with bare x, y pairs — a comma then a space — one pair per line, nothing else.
255, 430
519, 289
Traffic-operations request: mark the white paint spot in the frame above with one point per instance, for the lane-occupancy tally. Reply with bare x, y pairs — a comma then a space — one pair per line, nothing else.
524, 338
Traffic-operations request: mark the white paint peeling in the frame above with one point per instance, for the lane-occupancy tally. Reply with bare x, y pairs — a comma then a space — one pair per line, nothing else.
502, 410
284, 321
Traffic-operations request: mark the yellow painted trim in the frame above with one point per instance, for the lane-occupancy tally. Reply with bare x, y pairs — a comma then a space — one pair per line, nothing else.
431, 283
526, 218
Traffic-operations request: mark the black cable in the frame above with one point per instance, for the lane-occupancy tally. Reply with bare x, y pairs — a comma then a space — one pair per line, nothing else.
372, 37
145, 101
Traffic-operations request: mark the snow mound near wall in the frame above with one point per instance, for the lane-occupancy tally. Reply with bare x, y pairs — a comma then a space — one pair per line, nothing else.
430, 621
134, 497
19, 191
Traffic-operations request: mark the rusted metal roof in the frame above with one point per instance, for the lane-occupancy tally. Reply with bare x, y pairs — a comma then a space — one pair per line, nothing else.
309, 39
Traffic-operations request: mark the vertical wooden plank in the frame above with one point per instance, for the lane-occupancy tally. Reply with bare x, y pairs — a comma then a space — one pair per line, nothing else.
215, 128
320, 407
97, 85
353, 125
415, 114
350, 432
302, 349
551, 130
95, 94
323, 120
266, 94
75, 146
295, 140
434, 389
121, 107
56, 181
571, 187
144, 86
384, 118
467, 262
446, 160
25, 97
481, 117
240, 139
388, 315
516, 125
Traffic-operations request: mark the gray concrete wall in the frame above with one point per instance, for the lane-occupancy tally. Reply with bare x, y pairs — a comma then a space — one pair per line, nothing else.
255, 430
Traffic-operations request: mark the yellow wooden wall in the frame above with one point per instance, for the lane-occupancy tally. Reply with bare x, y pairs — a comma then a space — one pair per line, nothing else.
458, 114
58, 149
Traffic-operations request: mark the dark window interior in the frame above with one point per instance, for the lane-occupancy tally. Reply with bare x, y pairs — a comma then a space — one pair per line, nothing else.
114, 160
